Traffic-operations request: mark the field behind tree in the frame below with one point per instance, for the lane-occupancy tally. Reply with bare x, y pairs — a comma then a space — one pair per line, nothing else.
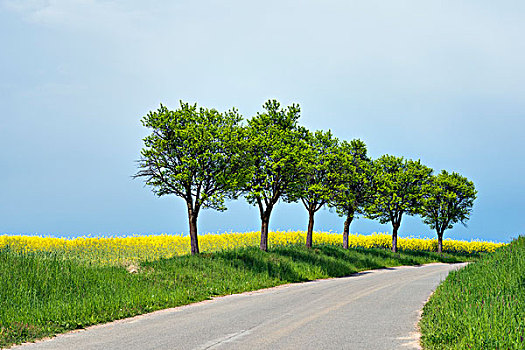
127, 250
52, 285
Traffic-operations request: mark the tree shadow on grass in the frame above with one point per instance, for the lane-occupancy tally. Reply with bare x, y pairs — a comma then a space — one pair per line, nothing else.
362, 258
403, 257
293, 263
328, 266
445, 257
332, 262
373, 258
260, 263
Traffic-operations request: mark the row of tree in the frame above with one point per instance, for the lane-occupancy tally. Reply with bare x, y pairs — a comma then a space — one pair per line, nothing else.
205, 157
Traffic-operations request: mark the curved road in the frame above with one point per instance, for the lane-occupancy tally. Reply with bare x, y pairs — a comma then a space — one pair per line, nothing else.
376, 310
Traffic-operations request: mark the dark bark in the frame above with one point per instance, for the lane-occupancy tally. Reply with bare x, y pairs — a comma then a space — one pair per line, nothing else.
194, 239
310, 232
346, 228
264, 234
395, 227
265, 219
440, 242
265, 209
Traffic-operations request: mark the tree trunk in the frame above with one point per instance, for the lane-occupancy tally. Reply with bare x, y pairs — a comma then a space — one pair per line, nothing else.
310, 232
440, 242
194, 239
346, 228
394, 237
265, 220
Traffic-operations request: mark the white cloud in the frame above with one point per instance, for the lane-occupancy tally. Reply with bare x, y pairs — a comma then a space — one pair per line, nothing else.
91, 16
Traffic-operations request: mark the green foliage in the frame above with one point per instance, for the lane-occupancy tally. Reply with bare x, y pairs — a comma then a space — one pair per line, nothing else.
481, 306
194, 153
321, 174
274, 150
355, 177
397, 188
43, 293
448, 199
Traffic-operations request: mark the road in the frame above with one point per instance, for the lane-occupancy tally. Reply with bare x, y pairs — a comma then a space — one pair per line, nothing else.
376, 310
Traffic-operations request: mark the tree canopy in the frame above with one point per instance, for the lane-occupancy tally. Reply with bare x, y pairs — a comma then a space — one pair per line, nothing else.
448, 199
397, 190
349, 198
273, 149
196, 154
321, 175
205, 157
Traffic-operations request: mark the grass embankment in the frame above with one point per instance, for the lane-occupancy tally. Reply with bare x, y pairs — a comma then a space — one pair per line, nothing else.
45, 293
481, 306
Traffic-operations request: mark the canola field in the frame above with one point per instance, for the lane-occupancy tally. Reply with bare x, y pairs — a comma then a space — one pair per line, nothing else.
126, 250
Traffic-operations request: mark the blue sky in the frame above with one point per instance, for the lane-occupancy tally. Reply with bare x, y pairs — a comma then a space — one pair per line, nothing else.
440, 81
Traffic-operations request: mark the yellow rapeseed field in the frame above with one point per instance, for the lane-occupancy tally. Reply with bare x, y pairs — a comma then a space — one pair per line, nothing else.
136, 248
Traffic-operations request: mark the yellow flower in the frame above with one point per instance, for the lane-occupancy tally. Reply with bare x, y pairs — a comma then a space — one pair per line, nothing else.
122, 250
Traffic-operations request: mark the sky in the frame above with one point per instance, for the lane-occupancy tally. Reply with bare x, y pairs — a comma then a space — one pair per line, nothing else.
440, 81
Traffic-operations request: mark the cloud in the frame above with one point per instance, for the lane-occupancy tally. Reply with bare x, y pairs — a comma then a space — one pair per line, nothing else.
90, 16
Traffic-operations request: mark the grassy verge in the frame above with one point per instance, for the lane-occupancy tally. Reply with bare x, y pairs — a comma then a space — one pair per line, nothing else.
481, 306
43, 294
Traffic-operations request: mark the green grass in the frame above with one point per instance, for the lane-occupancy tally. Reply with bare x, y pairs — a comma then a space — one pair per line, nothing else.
481, 306
43, 294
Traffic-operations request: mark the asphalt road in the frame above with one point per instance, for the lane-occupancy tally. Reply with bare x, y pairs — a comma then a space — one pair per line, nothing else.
371, 310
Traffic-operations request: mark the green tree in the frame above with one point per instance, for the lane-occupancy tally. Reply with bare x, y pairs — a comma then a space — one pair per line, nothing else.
397, 190
448, 199
274, 148
193, 153
354, 184
320, 175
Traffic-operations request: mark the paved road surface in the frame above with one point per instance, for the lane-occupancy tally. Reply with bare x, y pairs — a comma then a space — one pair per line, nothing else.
371, 310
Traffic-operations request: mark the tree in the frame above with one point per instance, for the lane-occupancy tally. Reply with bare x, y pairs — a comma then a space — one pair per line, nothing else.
273, 150
397, 190
354, 188
320, 175
448, 199
193, 153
